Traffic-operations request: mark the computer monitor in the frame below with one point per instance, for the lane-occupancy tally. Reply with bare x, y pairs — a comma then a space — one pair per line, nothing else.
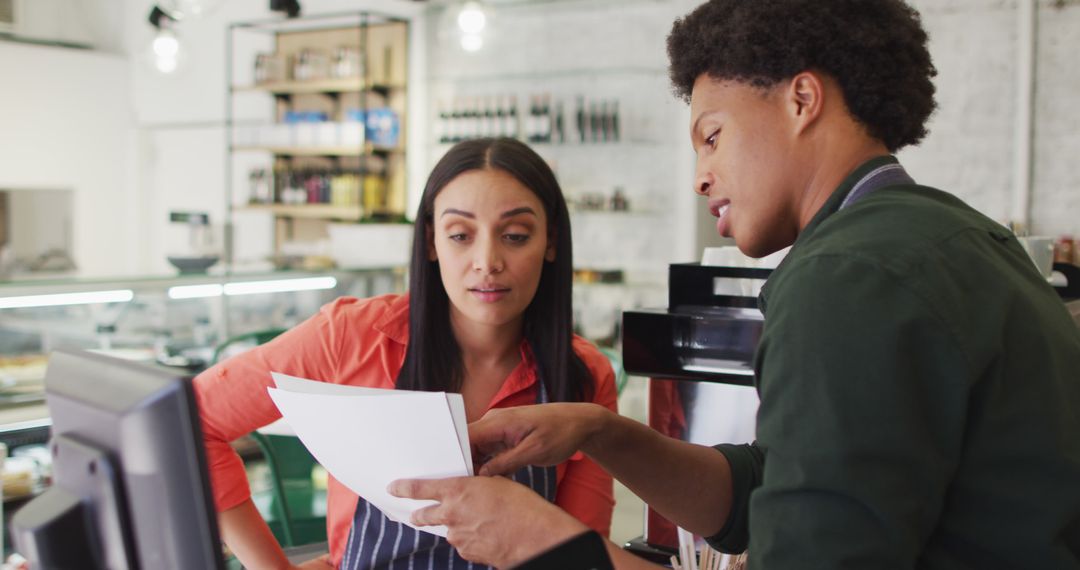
130, 487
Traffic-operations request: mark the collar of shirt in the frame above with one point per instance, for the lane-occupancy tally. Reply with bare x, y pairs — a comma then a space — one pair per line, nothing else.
836, 201
395, 326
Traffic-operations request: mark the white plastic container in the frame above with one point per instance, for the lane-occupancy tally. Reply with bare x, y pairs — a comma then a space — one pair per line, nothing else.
356, 246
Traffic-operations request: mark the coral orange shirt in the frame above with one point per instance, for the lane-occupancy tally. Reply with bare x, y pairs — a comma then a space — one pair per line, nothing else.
361, 342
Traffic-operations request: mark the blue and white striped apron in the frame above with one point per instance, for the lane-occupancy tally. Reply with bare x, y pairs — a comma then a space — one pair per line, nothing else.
376, 542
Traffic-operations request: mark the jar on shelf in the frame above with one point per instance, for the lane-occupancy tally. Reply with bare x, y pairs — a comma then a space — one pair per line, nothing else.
269, 68
346, 63
310, 65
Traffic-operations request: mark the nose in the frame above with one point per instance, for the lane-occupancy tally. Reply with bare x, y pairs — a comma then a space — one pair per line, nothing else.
488, 257
703, 179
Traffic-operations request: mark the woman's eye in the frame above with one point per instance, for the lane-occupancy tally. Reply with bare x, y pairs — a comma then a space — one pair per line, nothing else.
516, 238
458, 237
711, 139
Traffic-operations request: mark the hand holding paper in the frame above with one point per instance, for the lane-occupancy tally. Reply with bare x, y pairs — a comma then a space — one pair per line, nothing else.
368, 437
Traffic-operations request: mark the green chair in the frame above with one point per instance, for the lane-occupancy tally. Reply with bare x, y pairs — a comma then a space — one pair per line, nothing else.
292, 515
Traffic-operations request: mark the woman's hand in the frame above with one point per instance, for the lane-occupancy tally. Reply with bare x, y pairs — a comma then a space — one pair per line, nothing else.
491, 520
507, 439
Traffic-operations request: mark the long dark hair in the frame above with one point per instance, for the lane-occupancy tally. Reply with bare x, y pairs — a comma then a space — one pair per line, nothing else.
433, 358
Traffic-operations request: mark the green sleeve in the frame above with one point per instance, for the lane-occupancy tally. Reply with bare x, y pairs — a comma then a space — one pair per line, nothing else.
746, 463
863, 401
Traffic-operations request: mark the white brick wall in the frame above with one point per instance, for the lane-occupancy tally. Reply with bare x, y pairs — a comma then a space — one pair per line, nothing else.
970, 147
969, 151
604, 48
1056, 200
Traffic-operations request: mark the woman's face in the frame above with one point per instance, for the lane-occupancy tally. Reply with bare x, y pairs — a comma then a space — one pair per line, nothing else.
490, 238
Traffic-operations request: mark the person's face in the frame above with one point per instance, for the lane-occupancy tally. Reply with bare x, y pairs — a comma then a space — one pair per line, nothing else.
490, 238
744, 160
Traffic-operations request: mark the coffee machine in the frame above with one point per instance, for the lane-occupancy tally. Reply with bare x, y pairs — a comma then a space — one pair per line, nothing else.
698, 355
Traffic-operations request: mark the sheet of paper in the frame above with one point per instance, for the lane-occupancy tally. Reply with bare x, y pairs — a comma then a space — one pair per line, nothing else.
303, 385
368, 437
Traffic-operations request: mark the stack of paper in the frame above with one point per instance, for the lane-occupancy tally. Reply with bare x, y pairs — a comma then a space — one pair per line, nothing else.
367, 437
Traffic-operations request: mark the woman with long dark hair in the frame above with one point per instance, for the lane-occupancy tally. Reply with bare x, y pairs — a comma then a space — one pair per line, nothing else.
488, 315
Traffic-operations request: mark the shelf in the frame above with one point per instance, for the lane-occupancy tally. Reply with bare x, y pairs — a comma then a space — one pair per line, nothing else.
621, 145
366, 149
340, 85
318, 211
551, 74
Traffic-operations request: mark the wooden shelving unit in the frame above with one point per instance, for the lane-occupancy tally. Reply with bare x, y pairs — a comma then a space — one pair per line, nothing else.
377, 189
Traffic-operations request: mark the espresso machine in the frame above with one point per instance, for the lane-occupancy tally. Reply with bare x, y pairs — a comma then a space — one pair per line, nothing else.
698, 355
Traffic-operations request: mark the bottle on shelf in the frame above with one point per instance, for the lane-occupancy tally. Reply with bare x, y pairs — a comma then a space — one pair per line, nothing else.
532, 125
594, 122
560, 132
442, 130
615, 120
513, 127
491, 121
581, 119
545, 119
454, 130
605, 121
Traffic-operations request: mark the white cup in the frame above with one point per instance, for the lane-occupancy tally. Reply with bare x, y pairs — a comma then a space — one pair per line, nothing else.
1041, 251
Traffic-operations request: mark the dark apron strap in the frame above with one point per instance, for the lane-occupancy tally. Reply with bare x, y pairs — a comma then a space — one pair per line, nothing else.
888, 175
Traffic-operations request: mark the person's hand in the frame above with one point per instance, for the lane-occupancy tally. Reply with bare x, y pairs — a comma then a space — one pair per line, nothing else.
490, 520
507, 439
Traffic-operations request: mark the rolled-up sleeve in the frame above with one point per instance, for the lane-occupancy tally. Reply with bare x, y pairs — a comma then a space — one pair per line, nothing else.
747, 462
233, 398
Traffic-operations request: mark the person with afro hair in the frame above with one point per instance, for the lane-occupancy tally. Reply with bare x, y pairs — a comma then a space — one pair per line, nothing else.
919, 379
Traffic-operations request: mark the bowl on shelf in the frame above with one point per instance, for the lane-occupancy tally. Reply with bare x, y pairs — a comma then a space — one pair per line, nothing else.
193, 264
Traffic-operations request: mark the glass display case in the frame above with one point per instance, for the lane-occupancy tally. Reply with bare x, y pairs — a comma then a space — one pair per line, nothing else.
176, 320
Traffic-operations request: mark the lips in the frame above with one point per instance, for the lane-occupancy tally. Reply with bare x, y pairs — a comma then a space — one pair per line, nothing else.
719, 207
489, 293
489, 289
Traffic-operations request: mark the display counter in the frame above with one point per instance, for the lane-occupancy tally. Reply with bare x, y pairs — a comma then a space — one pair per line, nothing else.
174, 319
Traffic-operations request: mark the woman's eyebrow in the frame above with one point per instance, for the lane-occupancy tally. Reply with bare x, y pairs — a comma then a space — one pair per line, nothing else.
516, 211
506, 214
469, 215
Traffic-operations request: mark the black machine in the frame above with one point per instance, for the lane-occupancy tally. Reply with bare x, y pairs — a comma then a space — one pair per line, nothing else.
130, 486
698, 354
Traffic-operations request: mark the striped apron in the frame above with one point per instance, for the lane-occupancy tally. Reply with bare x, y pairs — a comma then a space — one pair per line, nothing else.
377, 543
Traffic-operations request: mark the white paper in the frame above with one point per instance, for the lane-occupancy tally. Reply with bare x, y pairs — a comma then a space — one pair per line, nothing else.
368, 437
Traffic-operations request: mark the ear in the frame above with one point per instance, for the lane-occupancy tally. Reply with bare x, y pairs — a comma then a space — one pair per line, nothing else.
552, 243
805, 100
432, 255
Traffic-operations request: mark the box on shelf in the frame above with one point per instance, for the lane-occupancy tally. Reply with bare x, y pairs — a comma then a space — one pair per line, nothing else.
355, 246
328, 134
383, 127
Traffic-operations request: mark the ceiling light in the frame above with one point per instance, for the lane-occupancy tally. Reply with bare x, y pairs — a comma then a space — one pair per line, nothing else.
166, 53
471, 42
471, 19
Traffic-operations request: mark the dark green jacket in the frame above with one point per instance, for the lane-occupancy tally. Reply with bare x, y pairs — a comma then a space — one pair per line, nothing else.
920, 397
